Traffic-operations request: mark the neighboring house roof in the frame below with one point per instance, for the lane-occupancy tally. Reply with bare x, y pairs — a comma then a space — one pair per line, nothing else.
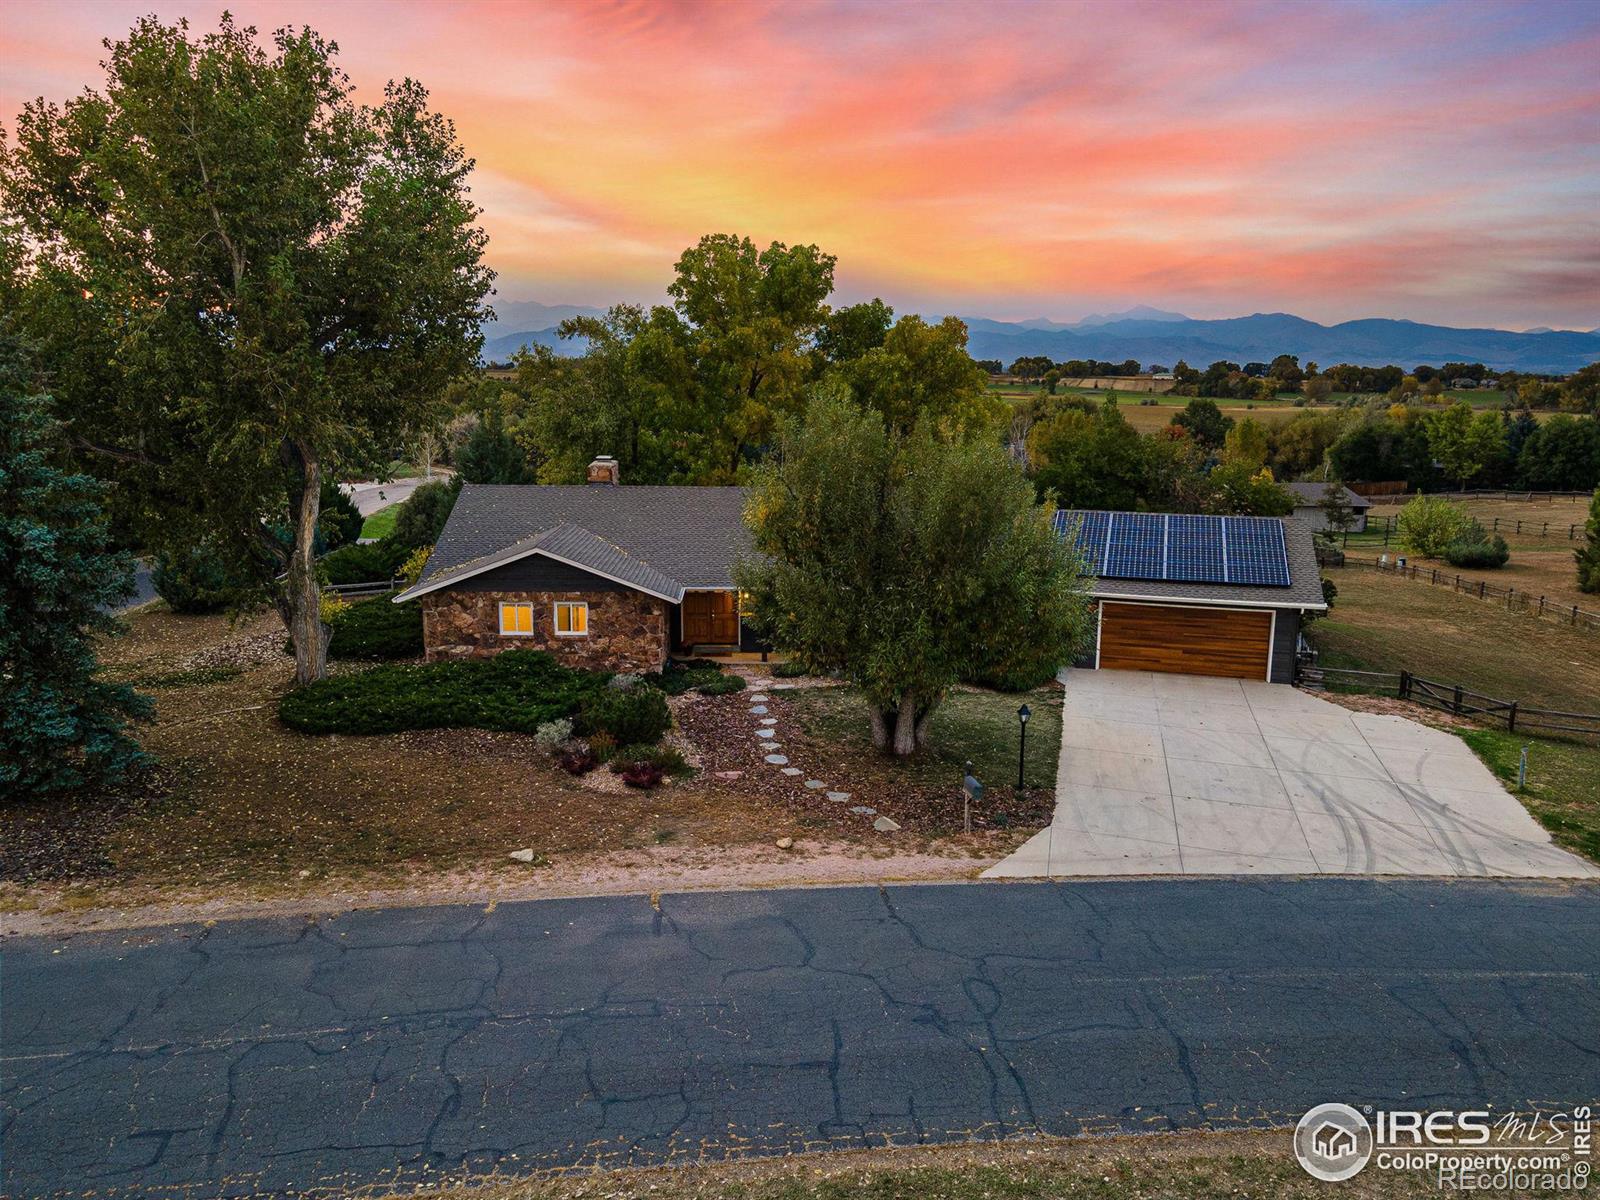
1311, 493
1304, 590
660, 540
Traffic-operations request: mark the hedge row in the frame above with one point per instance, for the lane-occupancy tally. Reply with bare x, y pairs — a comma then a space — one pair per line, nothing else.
377, 629
516, 692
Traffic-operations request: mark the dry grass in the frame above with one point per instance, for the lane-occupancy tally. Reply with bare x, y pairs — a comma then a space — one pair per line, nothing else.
1388, 623
1179, 1166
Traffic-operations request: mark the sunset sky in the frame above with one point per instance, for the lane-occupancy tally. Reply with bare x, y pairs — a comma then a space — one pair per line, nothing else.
1439, 162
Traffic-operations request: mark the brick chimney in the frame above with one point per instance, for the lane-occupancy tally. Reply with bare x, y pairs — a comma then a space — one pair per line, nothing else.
605, 469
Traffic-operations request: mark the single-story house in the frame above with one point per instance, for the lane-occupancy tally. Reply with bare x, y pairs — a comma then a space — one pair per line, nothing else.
1197, 595
1308, 505
601, 575
616, 577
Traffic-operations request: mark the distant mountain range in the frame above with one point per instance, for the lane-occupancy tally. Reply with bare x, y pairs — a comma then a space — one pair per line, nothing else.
1152, 335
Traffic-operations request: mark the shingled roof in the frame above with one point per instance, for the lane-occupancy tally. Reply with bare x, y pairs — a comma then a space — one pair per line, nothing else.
1312, 493
659, 540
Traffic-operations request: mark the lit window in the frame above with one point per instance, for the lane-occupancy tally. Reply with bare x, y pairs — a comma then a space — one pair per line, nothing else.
516, 620
572, 618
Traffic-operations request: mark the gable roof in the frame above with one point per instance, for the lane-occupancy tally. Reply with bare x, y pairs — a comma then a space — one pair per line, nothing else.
1312, 493
1304, 590
660, 540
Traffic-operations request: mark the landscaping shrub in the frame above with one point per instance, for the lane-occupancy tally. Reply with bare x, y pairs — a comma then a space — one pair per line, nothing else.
1481, 555
516, 691
576, 759
1429, 526
376, 629
415, 564
669, 758
603, 745
721, 685
643, 775
374, 562
196, 581
789, 670
680, 677
339, 521
637, 715
1009, 677
552, 735
421, 518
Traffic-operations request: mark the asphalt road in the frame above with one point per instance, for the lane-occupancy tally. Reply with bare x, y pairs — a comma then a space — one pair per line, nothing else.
283, 1054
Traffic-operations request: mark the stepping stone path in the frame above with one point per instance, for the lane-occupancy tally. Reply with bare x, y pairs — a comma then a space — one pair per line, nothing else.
767, 733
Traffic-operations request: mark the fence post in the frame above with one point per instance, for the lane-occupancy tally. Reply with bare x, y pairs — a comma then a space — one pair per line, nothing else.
1455, 704
1511, 718
1405, 686
1496, 527
1574, 614
1541, 606
1483, 588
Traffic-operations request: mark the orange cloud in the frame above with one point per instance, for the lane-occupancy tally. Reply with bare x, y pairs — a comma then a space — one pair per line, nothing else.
1441, 162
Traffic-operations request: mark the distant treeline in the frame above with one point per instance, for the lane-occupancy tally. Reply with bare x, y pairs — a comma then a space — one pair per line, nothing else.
1253, 381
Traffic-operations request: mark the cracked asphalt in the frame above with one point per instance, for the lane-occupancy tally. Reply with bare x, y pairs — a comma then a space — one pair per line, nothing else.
271, 1056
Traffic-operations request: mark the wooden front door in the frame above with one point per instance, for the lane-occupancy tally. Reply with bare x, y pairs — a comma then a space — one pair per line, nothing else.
1183, 640
710, 619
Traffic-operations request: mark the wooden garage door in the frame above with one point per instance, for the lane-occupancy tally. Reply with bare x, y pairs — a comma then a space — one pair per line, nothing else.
1185, 641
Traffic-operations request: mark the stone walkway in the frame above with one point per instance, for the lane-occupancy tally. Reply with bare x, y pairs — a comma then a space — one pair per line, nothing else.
766, 729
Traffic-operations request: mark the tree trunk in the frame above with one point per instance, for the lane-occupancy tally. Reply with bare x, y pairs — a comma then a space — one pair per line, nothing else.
880, 728
905, 728
300, 597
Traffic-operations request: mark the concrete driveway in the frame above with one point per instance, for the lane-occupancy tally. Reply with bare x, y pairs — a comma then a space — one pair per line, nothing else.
1183, 775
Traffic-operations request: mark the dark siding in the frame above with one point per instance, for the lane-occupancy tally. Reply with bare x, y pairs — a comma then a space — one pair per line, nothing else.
1284, 639
536, 573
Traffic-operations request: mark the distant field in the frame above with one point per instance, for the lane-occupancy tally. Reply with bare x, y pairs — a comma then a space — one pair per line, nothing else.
1384, 623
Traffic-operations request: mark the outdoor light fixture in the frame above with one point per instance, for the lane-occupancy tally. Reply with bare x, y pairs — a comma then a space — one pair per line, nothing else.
1022, 741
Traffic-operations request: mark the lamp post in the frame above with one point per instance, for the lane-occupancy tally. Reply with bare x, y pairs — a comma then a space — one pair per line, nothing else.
1022, 741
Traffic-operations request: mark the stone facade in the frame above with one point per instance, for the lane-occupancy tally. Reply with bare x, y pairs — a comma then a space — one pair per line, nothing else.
628, 631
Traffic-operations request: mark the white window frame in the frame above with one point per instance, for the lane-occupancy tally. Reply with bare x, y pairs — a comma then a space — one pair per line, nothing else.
504, 632
555, 618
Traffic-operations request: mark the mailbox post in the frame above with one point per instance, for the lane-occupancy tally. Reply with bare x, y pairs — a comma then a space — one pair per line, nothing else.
971, 790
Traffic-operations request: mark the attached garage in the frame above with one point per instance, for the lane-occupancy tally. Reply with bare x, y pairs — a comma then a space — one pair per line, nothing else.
1185, 640
1194, 594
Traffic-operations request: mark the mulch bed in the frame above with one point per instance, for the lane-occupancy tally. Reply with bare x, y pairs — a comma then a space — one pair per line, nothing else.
723, 732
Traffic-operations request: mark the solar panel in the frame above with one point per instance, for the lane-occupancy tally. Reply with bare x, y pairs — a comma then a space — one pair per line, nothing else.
1180, 548
1137, 546
1091, 533
1195, 549
1256, 553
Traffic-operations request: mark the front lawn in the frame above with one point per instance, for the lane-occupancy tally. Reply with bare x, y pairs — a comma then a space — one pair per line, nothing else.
243, 802
823, 732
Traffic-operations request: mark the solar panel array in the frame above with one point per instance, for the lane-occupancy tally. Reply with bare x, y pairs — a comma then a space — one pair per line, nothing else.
1181, 549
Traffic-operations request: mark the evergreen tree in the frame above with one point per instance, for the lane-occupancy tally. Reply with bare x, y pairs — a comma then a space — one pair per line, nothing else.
1589, 556
61, 727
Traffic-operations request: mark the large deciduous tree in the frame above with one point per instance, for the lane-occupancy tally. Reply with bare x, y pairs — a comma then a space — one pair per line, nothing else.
243, 281
906, 562
61, 726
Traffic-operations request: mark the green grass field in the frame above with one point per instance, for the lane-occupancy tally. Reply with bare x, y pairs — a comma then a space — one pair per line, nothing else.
381, 523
